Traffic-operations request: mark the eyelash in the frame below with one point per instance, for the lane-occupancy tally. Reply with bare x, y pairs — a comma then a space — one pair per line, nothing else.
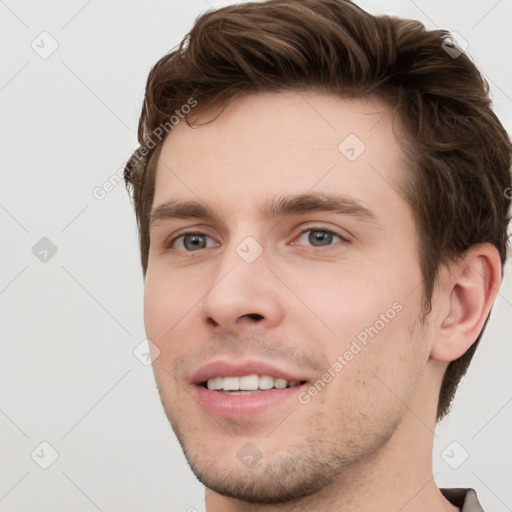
169, 244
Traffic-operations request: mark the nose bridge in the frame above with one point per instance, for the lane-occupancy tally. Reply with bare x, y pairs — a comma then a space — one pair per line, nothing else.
243, 250
239, 265
240, 293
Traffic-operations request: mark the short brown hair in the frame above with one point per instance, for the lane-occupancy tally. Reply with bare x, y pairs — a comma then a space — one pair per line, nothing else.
458, 151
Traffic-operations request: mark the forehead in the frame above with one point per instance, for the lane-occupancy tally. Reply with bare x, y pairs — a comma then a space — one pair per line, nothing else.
269, 144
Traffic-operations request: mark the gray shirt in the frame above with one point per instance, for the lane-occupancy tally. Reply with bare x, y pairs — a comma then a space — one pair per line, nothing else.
465, 499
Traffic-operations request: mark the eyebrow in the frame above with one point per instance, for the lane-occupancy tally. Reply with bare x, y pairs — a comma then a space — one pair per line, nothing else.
279, 206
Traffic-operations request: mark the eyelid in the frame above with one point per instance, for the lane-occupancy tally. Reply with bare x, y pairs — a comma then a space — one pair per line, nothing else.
199, 230
344, 235
171, 239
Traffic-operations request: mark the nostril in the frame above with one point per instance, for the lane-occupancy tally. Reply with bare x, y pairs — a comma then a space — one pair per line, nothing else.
254, 316
212, 322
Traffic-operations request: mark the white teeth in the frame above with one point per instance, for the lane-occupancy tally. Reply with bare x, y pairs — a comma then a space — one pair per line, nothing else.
215, 383
280, 383
231, 383
248, 383
266, 382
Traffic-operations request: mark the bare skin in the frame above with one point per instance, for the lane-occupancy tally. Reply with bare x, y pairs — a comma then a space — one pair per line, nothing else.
363, 440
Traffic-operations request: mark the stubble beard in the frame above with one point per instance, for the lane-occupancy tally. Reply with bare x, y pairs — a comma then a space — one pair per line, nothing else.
308, 467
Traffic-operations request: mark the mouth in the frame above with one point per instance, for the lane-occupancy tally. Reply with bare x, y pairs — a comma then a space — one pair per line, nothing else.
244, 390
248, 384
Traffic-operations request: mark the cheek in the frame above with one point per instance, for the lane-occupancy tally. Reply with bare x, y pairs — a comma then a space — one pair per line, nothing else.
384, 360
168, 305
371, 321
168, 297
162, 314
156, 303
371, 382
352, 300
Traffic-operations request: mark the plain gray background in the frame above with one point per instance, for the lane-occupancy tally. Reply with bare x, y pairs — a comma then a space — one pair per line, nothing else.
70, 321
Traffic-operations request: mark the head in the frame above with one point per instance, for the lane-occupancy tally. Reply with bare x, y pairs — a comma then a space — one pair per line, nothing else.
261, 106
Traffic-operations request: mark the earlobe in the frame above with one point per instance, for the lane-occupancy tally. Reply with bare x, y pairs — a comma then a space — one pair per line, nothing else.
466, 295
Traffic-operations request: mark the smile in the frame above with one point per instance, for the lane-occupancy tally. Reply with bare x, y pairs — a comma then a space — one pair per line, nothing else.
242, 390
248, 384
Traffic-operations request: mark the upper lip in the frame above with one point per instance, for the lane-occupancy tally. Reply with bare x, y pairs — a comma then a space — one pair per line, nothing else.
232, 369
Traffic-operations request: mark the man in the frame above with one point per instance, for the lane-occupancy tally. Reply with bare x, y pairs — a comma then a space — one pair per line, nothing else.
320, 200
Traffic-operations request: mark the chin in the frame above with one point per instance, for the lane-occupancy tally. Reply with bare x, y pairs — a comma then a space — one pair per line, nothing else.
268, 484
269, 478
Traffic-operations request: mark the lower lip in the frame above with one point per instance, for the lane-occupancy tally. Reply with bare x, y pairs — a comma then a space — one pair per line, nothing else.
225, 405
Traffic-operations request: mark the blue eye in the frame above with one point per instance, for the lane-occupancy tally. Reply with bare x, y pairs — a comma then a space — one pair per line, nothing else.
319, 237
192, 242
315, 237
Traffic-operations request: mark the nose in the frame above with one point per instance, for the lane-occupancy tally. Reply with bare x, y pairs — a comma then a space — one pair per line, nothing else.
242, 296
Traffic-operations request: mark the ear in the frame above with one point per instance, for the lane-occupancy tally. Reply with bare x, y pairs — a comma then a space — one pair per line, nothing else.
465, 296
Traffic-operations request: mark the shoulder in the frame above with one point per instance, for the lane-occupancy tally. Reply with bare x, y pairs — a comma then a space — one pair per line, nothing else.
465, 499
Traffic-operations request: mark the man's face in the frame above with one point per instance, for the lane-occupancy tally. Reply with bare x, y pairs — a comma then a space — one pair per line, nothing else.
323, 301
